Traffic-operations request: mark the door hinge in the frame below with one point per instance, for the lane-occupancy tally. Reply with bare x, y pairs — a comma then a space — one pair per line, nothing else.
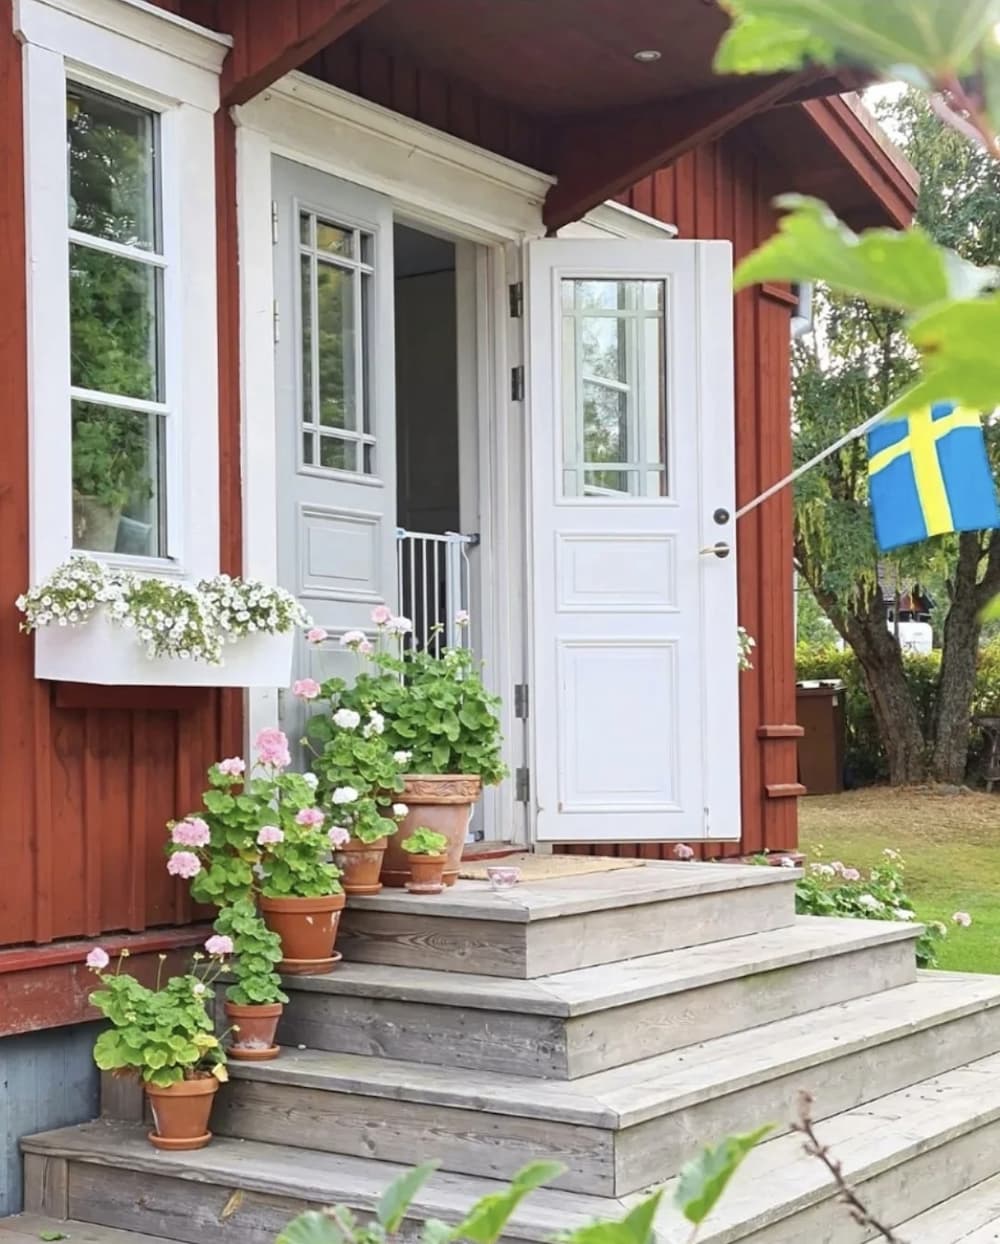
276, 319
515, 293
517, 383
274, 222
521, 701
522, 785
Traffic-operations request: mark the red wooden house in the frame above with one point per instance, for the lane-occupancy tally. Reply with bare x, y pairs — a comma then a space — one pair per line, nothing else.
444, 265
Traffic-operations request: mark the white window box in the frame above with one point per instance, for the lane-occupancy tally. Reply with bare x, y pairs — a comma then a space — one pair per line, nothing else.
100, 651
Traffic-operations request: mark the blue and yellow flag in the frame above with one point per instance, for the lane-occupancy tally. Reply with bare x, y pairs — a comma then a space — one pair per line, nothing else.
928, 473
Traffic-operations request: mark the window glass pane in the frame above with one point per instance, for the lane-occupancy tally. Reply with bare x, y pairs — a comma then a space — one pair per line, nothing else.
614, 388
118, 501
336, 328
114, 324
112, 153
305, 228
338, 455
333, 240
306, 341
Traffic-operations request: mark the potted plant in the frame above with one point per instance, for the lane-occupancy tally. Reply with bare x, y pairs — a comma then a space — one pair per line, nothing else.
441, 724
98, 623
351, 756
110, 469
254, 999
164, 1036
262, 833
426, 850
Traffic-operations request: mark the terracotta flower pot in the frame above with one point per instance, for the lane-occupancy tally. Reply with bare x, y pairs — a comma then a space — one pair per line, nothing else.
438, 801
254, 1029
180, 1113
95, 525
426, 874
360, 864
307, 928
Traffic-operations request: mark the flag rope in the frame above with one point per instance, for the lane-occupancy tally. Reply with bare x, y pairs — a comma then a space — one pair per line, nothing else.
792, 476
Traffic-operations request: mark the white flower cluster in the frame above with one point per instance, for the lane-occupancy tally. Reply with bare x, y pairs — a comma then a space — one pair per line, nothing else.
171, 619
242, 607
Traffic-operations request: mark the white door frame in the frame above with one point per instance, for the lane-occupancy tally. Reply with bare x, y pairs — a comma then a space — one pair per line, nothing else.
488, 206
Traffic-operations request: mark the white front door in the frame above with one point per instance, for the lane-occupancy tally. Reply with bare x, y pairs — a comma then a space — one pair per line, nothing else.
634, 716
335, 408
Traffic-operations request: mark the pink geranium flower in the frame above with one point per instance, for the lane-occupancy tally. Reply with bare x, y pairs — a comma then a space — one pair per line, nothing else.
184, 864
338, 836
272, 748
962, 919
98, 959
306, 688
191, 832
683, 852
850, 874
218, 945
235, 766
365, 648
269, 835
316, 635
381, 614
309, 816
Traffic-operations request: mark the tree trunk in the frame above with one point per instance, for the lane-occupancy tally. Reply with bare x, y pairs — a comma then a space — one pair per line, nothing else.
892, 701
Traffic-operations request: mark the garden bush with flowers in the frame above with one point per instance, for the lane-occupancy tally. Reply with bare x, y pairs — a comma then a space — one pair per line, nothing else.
835, 889
163, 1034
259, 831
435, 709
186, 621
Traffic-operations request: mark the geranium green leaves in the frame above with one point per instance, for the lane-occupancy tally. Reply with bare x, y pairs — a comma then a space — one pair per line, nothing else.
703, 1180
922, 41
904, 270
960, 345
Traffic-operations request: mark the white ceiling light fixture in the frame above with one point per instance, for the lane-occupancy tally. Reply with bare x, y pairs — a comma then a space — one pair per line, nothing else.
647, 56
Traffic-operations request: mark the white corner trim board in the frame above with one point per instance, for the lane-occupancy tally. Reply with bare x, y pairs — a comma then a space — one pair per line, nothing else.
488, 196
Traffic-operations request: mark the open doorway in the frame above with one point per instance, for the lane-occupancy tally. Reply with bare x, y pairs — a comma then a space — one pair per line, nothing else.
434, 581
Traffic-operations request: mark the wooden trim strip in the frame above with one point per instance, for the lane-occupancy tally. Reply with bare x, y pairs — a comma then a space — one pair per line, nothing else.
777, 292
780, 732
147, 699
26, 958
785, 790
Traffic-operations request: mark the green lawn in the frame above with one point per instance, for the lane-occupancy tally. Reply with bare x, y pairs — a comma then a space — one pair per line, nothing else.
951, 846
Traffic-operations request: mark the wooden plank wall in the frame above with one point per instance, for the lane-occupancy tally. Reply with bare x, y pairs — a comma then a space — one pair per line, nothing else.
89, 775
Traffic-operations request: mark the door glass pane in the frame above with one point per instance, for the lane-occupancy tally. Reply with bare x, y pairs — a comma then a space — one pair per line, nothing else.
614, 388
115, 324
335, 340
118, 500
112, 153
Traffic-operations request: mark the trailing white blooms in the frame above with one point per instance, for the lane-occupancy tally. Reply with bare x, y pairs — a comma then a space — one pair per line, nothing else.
171, 619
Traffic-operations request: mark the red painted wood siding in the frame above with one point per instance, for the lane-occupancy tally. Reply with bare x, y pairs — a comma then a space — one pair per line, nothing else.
88, 789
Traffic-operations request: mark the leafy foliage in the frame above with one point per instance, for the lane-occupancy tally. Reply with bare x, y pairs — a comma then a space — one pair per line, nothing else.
164, 1034
352, 752
424, 842
704, 1179
257, 950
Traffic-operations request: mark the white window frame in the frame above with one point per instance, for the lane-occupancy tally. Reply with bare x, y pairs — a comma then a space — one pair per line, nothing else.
129, 50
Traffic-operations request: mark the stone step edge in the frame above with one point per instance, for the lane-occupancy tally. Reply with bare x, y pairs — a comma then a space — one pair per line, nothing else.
909, 1124
972, 1212
540, 997
594, 1100
29, 1228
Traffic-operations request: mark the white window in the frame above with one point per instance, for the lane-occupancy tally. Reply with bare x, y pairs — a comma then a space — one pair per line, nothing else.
123, 360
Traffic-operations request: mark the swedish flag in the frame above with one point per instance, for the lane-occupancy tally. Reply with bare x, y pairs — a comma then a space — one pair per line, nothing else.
928, 473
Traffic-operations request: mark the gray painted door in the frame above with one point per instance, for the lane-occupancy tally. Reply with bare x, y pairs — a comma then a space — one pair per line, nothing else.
335, 406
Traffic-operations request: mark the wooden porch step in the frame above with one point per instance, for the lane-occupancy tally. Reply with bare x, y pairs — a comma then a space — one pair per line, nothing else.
972, 1217
30, 1228
621, 1129
906, 1152
544, 927
577, 1023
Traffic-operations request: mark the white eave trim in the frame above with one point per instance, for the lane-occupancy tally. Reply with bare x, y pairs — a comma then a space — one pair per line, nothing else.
413, 163
42, 22
622, 221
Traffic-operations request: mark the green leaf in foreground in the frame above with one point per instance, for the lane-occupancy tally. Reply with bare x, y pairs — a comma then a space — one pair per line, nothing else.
312, 1227
395, 1201
488, 1217
961, 358
904, 270
919, 40
53, 1235
703, 1180
635, 1228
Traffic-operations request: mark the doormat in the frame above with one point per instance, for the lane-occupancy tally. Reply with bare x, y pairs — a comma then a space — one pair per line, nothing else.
547, 867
